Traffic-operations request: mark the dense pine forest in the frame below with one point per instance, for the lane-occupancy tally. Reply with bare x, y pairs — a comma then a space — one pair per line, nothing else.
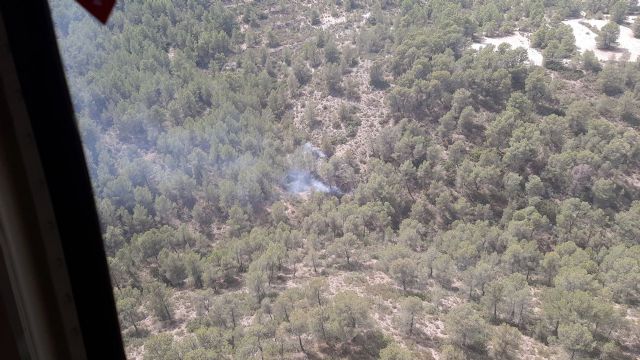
364, 179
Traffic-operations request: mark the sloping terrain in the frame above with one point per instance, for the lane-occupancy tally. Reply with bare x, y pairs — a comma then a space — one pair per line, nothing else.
363, 179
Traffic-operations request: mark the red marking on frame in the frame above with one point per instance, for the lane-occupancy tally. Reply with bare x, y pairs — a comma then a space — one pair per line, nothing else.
101, 9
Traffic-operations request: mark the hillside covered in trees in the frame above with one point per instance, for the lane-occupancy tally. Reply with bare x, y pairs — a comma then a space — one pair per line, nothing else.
352, 179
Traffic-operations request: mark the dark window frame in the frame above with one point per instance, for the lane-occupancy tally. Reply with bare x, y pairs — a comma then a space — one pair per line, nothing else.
39, 70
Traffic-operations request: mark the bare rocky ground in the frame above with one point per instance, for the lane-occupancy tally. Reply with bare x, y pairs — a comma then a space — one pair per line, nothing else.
371, 108
628, 45
516, 40
371, 111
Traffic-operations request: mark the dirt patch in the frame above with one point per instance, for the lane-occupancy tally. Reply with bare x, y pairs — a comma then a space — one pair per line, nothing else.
586, 40
329, 21
518, 39
371, 111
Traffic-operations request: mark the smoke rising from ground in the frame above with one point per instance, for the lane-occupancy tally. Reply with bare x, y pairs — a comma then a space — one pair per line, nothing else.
300, 180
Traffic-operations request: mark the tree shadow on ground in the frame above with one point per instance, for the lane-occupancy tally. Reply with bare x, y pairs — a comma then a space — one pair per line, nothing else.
364, 346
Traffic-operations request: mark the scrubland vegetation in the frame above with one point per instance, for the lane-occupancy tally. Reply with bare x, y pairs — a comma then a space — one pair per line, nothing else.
350, 179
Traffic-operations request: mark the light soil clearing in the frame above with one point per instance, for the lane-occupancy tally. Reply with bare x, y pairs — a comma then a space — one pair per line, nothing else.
586, 40
516, 40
